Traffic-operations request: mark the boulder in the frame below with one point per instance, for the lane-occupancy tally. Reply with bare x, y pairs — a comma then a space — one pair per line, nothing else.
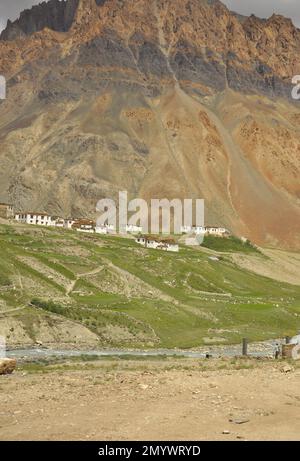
287, 369
239, 421
7, 366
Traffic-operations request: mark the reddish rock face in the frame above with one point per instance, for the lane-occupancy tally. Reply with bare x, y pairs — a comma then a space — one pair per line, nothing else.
160, 97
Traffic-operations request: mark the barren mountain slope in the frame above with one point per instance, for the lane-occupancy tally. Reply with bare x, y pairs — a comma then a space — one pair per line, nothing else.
157, 97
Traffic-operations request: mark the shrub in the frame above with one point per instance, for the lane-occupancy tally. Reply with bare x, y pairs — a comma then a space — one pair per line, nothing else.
49, 306
4, 281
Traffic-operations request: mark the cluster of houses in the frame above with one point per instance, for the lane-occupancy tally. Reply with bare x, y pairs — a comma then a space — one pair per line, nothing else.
91, 227
198, 230
157, 243
42, 219
80, 225
169, 244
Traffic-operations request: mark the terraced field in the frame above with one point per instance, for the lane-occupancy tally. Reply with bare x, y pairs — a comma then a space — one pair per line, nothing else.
62, 288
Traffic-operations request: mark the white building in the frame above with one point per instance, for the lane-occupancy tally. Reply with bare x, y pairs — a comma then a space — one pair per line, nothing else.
105, 229
199, 230
141, 240
156, 243
69, 223
193, 230
38, 219
101, 230
217, 231
133, 229
84, 225
57, 222
62, 222
168, 245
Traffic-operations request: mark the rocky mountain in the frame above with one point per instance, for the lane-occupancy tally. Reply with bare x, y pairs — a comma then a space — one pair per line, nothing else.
163, 98
56, 15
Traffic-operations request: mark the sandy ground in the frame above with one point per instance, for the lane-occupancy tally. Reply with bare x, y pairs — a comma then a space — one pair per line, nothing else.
172, 400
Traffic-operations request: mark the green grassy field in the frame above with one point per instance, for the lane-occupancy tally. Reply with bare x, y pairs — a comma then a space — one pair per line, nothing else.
231, 243
134, 297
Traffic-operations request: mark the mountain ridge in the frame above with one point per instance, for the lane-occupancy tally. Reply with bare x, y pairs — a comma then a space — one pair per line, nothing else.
38, 17
229, 43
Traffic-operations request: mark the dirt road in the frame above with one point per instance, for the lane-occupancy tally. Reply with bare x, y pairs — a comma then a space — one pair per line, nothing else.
152, 400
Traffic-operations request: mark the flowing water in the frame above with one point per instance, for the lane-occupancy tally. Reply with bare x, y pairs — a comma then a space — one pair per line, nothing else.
262, 349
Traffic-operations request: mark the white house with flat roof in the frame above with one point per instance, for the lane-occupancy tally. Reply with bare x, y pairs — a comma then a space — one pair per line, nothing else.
34, 218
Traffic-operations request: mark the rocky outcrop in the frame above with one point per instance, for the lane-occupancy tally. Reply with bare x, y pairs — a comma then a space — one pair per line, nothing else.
55, 14
7, 366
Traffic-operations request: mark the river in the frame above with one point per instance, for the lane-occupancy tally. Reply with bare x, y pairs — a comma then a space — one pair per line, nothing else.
261, 349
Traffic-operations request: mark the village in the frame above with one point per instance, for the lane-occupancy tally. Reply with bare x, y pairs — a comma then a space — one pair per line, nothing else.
89, 226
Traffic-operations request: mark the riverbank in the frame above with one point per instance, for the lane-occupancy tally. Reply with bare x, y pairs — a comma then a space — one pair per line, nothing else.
152, 399
260, 349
